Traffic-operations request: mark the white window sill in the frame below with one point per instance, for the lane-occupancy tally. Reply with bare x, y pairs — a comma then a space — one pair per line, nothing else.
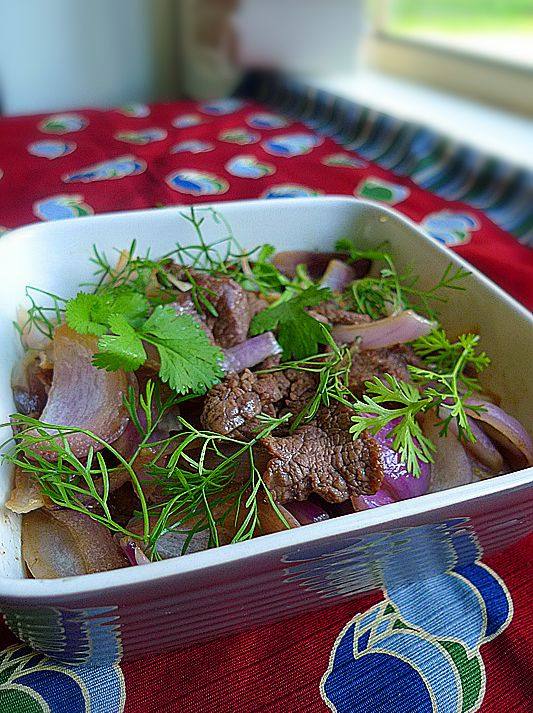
493, 131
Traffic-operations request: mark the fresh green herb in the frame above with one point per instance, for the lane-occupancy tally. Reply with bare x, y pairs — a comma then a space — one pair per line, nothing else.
225, 257
189, 362
375, 411
437, 350
299, 334
443, 388
203, 497
42, 318
196, 496
348, 247
392, 292
68, 481
90, 313
332, 370
448, 384
136, 272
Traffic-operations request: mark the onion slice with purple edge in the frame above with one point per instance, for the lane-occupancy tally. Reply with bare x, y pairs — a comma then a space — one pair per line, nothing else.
133, 552
305, 511
82, 396
398, 482
64, 543
451, 465
316, 263
397, 329
505, 429
482, 449
338, 275
26, 494
251, 352
368, 502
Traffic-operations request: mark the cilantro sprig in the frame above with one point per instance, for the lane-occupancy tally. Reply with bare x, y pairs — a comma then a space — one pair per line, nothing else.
443, 386
451, 379
188, 361
299, 334
388, 399
89, 313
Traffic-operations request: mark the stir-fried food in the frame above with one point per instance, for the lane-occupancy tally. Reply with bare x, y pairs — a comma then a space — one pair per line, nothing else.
215, 394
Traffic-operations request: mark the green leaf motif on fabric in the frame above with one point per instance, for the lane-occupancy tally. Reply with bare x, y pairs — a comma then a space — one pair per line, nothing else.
32, 683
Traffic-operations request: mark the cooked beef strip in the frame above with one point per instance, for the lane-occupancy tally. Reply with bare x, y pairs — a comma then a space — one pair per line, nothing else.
270, 362
333, 314
299, 389
323, 458
376, 362
256, 303
230, 301
232, 406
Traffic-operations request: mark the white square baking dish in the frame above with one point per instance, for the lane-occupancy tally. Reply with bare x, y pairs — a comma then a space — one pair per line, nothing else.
131, 612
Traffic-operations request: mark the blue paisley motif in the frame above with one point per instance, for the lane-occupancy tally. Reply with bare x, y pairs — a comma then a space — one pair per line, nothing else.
30, 681
418, 650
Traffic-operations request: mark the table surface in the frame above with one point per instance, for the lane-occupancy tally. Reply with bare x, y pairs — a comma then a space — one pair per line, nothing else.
83, 162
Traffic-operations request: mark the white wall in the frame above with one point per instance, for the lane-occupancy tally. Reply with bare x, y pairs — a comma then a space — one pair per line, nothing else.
58, 54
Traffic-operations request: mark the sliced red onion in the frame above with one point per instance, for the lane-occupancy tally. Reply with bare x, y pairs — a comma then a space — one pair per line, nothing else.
83, 396
63, 543
451, 465
26, 494
399, 481
133, 552
483, 449
306, 512
338, 275
29, 388
398, 329
251, 352
130, 439
316, 263
506, 429
269, 519
367, 502
171, 543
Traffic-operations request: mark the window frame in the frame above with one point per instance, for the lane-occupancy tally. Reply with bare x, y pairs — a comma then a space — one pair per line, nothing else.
495, 81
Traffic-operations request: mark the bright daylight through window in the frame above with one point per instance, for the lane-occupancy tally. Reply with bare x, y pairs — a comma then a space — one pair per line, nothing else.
500, 30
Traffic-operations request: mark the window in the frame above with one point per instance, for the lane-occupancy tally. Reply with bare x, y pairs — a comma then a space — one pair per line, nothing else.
493, 29
482, 48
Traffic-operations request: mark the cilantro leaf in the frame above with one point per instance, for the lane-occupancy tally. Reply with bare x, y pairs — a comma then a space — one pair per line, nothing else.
189, 362
375, 410
90, 313
299, 334
82, 314
121, 350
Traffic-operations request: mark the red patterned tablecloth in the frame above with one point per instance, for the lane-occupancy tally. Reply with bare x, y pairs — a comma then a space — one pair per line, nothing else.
79, 163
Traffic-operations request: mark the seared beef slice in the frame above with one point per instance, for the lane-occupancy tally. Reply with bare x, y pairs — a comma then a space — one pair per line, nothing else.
331, 313
323, 458
232, 407
376, 362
